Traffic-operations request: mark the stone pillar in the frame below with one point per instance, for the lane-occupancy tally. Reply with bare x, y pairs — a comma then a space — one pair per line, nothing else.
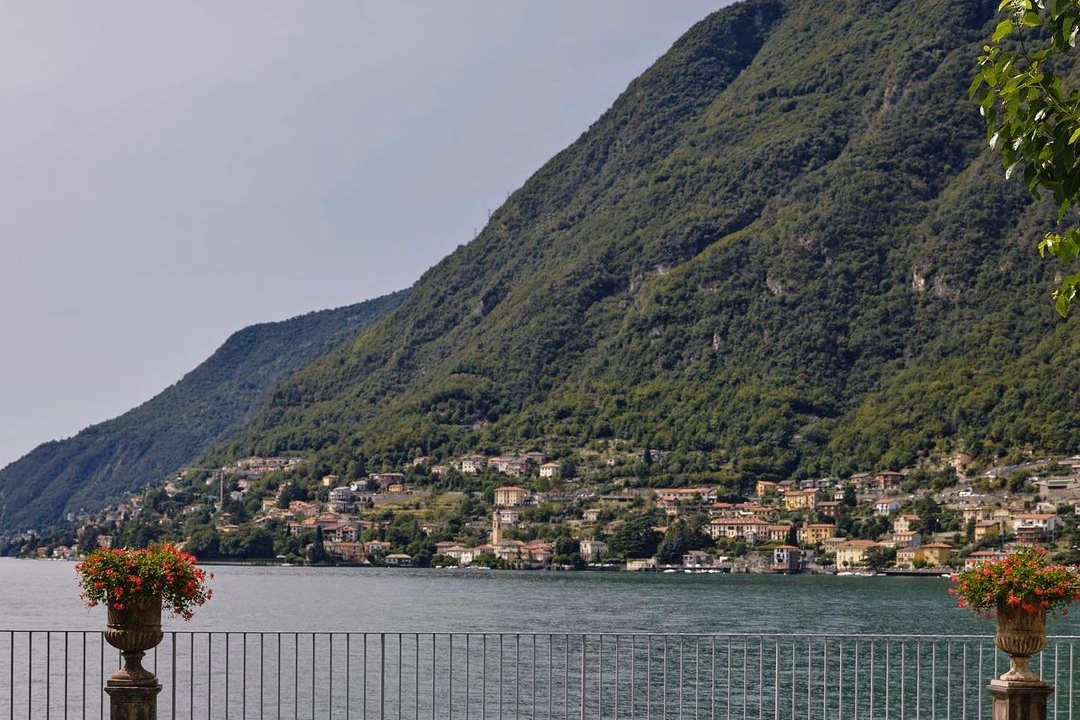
1019, 699
133, 703
133, 690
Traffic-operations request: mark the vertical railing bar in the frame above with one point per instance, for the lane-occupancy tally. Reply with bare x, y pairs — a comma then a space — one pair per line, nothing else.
172, 673
433, 669
760, 677
29, 676
918, 673
615, 714
400, 666
534, 676
483, 679
870, 709
825, 678
858, 664
697, 678
517, 676
839, 660
648, 677
66, 673
933, 679
209, 673
712, 678
681, 676
903, 678
502, 639
776, 678
416, 677
809, 678
663, 685
1072, 674
382, 676
794, 672
584, 639
745, 672
963, 695
243, 671
888, 675
468, 651
227, 636
729, 678
84, 675
1057, 664
600, 676
948, 681
551, 661
191, 676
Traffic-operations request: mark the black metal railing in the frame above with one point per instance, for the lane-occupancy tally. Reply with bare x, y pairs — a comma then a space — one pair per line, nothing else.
212, 675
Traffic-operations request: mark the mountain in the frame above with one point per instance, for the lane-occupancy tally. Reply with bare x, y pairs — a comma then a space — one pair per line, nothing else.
785, 250
161, 436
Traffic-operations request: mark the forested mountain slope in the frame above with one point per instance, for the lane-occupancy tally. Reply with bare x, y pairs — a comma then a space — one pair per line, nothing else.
784, 250
166, 433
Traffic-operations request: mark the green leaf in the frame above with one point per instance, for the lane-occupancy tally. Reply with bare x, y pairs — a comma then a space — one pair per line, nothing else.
1003, 30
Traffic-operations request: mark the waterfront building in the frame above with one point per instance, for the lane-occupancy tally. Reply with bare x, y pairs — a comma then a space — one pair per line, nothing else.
592, 550
853, 553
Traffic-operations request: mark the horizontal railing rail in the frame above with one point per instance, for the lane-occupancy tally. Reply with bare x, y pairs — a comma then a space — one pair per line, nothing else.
219, 675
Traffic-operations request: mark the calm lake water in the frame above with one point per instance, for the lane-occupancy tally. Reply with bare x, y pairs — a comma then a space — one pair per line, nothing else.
43, 595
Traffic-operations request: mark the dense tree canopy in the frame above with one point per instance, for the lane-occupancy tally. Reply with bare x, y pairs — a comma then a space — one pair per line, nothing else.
1032, 113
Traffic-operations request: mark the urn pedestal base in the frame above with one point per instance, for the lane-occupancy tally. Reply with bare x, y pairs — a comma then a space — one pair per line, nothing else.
1019, 699
132, 703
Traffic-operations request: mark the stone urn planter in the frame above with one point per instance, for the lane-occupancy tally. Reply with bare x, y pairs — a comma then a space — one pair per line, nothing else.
133, 631
1020, 634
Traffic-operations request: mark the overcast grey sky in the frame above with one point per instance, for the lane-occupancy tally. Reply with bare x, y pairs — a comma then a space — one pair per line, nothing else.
176, 171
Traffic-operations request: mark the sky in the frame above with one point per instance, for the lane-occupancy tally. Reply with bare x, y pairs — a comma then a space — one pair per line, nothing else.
174, 172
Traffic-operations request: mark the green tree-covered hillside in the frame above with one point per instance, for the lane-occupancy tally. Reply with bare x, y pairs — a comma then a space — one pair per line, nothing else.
784, 250
164, 434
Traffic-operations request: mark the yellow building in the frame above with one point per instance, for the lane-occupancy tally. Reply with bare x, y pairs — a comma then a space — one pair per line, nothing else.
853, 553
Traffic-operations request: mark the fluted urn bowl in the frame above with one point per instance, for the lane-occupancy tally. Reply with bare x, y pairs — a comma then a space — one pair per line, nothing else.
1020, 634
133, 631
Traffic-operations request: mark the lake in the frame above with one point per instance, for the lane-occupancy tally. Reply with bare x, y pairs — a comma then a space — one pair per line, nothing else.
381, 642
43, 595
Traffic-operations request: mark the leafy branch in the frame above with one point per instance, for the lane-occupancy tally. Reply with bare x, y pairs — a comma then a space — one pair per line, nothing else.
1030, 119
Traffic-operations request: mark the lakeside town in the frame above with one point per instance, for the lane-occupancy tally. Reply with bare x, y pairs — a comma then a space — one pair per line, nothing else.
523, 511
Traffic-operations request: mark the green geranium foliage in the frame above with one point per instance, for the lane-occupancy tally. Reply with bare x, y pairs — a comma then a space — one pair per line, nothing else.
1032, 118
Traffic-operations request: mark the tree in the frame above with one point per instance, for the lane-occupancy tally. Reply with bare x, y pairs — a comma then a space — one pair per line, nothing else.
1031, 119
680, 539
635, 538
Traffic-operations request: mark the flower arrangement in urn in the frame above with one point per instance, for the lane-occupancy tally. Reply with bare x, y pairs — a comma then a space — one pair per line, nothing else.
1024, 580
136, 579
1019, 590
